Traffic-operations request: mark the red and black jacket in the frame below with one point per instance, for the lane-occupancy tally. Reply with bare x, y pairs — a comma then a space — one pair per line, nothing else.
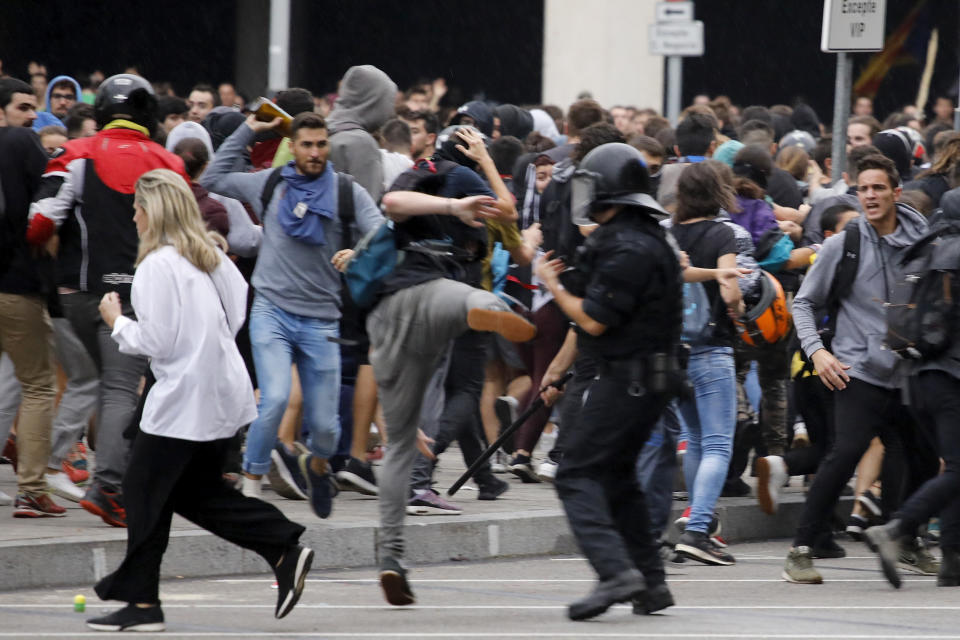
87, 191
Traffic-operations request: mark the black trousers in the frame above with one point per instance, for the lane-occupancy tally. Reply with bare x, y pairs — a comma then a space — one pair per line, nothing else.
863, 411
597, 480
463, 386
815, 404
571, 402
167, 476
936, 397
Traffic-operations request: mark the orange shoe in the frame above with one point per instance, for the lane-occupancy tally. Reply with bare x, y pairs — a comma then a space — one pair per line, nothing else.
77, 476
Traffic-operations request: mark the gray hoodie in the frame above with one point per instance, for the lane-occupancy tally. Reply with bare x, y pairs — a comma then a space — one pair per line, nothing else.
367, 99
861, 320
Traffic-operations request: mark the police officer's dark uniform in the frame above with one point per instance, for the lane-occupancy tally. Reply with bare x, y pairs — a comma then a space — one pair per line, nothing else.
632, 285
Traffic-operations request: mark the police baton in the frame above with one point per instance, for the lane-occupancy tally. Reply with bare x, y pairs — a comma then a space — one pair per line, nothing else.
509, 431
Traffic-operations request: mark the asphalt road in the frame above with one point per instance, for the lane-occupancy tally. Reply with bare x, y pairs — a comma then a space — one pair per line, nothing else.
527, 598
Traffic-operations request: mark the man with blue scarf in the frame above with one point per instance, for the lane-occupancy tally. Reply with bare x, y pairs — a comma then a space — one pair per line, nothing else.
296, 307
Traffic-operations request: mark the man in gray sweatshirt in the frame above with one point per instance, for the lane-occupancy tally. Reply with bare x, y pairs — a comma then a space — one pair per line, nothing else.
296, 308
865, 377
367, 100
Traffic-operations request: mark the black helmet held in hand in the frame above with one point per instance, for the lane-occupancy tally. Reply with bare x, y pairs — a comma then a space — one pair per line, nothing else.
613, 173
447, 142
128, 97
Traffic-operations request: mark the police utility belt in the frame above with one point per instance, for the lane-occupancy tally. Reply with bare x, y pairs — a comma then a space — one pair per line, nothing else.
659, 372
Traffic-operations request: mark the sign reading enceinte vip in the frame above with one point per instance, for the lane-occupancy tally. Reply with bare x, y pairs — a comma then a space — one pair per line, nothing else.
853, 25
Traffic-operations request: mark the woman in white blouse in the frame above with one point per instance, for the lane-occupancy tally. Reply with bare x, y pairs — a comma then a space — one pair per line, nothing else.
189, 300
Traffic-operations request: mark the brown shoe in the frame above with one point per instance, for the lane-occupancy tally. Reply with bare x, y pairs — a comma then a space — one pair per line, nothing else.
508, 324
38, 506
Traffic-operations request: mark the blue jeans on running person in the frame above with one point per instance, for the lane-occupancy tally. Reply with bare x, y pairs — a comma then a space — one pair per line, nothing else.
279, 340
711, 421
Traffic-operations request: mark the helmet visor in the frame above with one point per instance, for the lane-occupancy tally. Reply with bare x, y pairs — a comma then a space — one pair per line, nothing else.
583, 193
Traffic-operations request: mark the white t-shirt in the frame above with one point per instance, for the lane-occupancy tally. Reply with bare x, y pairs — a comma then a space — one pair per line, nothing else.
393, 165
186, 323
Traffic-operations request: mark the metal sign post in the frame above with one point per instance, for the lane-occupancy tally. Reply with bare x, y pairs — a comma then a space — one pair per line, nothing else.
675, 34
848, 26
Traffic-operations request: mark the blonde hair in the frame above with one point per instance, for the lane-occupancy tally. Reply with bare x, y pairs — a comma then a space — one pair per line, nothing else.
173, 218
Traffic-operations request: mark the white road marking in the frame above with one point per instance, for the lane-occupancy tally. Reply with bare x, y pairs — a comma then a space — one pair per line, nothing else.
382, 634
551, 580
428, 607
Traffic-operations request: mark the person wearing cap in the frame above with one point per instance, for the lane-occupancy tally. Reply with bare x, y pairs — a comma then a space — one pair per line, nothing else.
475, 113
627, 309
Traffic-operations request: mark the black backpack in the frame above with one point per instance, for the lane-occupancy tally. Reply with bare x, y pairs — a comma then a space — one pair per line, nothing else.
923, 312
842, 283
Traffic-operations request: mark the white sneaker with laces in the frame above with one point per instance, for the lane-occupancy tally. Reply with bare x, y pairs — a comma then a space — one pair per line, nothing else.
59, 484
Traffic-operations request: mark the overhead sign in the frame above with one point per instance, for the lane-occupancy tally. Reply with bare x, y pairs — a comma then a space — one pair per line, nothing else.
676, 38
675, 11
853, 25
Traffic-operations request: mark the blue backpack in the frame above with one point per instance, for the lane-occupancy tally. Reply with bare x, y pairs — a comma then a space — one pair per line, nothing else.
375, 257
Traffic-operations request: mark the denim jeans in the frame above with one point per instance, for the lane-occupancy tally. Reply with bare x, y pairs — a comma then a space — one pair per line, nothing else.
711, 421
280, 339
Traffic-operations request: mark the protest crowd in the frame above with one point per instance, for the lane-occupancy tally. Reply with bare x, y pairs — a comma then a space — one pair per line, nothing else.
203, 297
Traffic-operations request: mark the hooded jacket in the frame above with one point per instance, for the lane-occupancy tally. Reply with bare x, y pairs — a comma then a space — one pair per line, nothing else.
45, 118
756, 216
367, 98
861, 319
514, 121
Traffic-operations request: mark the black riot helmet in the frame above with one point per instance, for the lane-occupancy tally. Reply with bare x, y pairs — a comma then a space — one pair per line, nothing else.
613, 173
128, 97
448, 141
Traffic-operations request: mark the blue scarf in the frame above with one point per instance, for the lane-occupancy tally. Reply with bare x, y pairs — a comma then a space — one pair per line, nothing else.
306, 203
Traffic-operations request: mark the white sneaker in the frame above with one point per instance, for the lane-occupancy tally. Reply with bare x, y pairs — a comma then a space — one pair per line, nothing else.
252, 488
5, 499
59, 484
771, 476
547, 470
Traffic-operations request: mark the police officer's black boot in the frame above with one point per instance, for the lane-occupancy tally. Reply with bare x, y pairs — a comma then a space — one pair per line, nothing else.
655, 598
622, 587
949, 575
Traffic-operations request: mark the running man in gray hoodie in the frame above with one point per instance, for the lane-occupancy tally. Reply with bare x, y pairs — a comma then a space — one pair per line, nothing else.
866, 378
367, 98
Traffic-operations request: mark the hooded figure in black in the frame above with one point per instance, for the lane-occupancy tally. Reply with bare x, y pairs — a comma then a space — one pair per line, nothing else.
514, 121
480, 115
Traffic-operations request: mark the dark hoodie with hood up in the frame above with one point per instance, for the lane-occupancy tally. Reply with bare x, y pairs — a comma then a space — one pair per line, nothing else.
45, 118
367, 98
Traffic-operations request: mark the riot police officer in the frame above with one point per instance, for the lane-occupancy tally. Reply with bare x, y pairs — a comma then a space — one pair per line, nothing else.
627, 309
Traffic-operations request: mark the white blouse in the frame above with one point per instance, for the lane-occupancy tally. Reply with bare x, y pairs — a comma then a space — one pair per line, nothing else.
186, 323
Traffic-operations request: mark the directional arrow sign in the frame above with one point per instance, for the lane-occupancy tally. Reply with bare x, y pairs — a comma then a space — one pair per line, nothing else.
674, 11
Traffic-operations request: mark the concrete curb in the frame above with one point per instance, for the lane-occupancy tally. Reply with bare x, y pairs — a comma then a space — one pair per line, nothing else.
77, 560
